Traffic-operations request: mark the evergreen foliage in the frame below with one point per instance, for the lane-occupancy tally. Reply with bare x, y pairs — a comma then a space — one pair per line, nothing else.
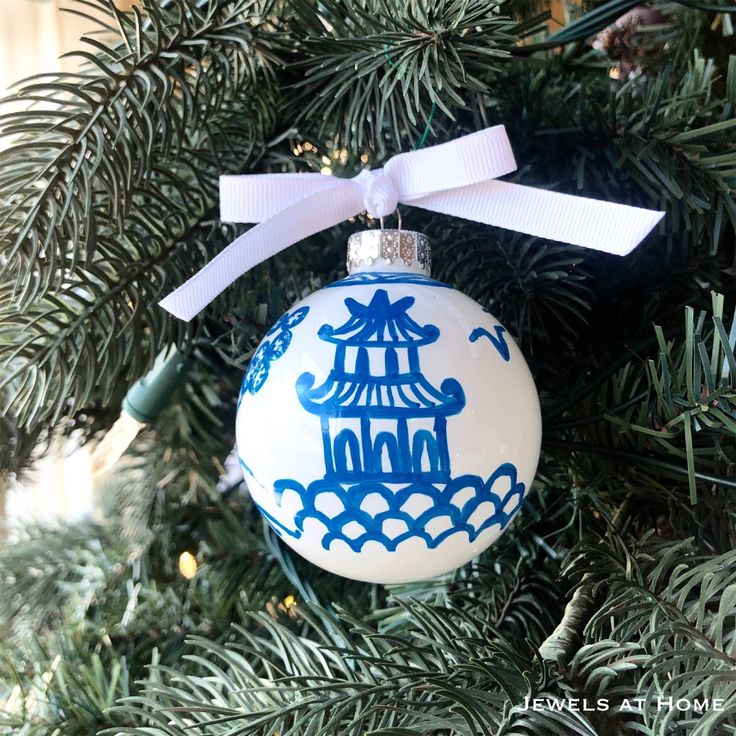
618, 578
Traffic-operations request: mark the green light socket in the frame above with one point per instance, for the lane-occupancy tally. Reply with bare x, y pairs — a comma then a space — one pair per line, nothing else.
150, 395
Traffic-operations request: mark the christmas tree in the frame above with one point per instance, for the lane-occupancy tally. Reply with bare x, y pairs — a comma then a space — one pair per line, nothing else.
608, 605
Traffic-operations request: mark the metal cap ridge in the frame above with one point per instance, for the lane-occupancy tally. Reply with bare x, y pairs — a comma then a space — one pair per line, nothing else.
389, 250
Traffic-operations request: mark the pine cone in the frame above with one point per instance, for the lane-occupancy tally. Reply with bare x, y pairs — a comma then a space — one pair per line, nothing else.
622, 40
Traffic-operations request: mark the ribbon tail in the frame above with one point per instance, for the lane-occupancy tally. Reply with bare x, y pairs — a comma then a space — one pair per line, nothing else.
306, 217
591, 223
258, 197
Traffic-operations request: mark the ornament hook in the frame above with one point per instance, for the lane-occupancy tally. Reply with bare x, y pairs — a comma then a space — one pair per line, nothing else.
398, 218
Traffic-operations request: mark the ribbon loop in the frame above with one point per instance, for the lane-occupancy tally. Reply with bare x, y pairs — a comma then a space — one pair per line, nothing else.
457, 178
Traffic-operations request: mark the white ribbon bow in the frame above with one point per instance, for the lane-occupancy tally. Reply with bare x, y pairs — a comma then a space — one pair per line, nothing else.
456, 178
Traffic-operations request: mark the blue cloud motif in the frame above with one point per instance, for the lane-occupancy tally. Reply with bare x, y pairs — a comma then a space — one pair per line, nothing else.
271, 350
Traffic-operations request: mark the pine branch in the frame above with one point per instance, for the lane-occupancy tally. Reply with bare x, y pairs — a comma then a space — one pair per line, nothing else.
61, 686
92, 139
676, 140
447, 676
534, 288
662, 140
671, 411
103, 326
515, 594
48, 575
373, 69
679, 611
18, 448
81, 324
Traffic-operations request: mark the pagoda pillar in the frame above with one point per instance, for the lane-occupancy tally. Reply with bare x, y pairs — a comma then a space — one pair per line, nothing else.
327, 448
402, 435
440, 431
367, 442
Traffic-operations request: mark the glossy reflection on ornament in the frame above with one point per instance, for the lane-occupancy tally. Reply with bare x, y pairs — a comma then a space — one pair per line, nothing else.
388, 427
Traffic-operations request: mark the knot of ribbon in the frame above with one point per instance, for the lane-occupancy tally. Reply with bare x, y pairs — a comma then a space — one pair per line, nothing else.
458, 178
381, 196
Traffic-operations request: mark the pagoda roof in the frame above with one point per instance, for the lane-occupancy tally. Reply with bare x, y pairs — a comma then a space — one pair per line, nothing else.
380, 324
403, 395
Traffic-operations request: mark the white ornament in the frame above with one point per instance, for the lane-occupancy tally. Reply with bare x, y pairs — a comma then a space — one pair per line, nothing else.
388, 427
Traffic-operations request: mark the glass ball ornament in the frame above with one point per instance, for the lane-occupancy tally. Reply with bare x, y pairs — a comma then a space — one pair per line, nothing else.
388, 427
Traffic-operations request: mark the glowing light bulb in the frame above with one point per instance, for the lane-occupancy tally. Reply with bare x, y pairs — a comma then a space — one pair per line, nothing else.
187, 565
145, 400
115, 443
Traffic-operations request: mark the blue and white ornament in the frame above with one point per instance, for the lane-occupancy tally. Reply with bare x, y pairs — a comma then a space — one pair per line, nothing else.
388, 427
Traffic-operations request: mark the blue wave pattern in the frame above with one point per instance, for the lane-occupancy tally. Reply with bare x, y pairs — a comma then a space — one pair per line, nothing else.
449, 510
369, 278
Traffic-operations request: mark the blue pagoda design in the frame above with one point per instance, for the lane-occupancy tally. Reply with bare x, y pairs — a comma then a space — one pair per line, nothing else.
388, 474
392, 420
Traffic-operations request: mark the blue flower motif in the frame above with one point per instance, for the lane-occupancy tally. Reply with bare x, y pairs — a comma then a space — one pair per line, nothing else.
279, 344
257, 371
289, 320
271, 350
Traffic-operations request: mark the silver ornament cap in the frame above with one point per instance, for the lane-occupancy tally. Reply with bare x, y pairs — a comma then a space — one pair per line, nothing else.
389, 250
